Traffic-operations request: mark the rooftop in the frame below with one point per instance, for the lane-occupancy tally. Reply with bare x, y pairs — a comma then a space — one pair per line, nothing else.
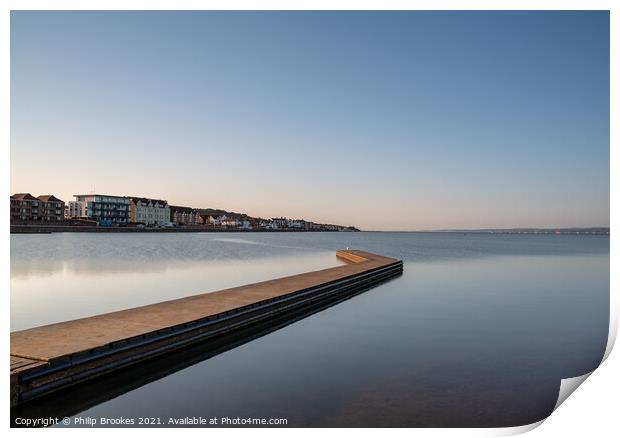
24, 196
48, 198
135, 199
98, 194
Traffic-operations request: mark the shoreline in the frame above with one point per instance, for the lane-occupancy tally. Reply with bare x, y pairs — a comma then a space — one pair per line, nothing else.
48, 229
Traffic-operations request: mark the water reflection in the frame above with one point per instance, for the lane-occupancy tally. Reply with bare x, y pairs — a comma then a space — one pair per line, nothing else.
48, 254
477, 332
91, 393
60, 282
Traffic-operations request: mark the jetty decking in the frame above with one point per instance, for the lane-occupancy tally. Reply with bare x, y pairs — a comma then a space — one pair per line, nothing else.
48, 358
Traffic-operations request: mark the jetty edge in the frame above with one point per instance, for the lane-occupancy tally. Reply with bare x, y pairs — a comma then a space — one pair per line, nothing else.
50, 358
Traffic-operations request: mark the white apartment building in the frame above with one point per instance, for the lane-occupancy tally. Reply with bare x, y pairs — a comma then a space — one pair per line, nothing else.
230, 222
215, 220
106, 209
279, 223
149, 211
297, 223
76, 209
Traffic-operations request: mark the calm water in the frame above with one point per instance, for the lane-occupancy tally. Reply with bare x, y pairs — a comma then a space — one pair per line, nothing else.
478, 331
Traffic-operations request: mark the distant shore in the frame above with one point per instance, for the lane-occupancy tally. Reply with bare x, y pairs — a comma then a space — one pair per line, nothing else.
47, 229
596, 231
590, 230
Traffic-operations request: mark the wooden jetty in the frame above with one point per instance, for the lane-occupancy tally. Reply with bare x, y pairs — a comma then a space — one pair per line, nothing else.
56, 356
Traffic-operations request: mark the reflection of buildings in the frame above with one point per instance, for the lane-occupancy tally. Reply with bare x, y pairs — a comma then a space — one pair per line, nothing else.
149, 211
27, 208
106, 209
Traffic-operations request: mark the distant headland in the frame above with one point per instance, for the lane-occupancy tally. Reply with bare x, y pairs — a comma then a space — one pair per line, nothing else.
575, 230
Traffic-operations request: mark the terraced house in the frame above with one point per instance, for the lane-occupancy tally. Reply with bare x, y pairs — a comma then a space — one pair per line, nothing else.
184, 215
148, 211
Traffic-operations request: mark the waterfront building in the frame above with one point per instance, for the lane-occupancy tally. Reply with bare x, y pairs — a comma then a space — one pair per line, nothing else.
331, 227
209, 219
183, 215
230, 222
149, 211
203, 219
27, 208
279, 222
296, 223
215, 219
312, 226
51, 209
76, 209
106, 209
24, 208
265, 223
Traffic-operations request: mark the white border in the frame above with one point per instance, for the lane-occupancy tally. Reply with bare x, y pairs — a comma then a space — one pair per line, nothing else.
592, 410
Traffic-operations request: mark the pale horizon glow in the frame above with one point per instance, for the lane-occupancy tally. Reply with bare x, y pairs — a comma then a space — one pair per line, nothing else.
381, 120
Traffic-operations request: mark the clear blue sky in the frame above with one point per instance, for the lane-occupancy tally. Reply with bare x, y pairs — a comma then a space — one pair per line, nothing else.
384, 120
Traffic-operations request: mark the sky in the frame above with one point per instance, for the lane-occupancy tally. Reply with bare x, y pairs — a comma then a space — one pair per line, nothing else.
382, 120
